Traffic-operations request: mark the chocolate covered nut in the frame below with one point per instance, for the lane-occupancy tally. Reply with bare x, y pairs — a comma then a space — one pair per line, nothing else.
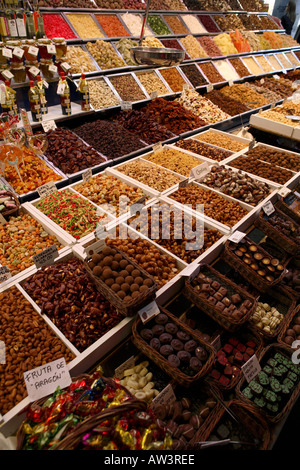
155, 344
177, 344
184, 356
183, 336
201, 353
195, 364
166, 350
161, 319
171, 328
146, 334
174, 360
165, 338
196, 421
190, 346
158, 329
186, 403
204, 411
188, 431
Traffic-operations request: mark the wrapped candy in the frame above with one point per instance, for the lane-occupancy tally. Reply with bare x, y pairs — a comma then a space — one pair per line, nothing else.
93, 413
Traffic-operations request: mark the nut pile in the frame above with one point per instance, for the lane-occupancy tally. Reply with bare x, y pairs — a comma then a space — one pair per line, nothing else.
151, 82
79, 60
226, 103
244, 94
101, 96
161, 266
221, 140
109, 138
149, 174
276, 156
175, 24
194, 75
66, 294
30, 343
211, 72
203, 149
215, 206
239, 67
106, 191
123, 46
264, 170
68, 153
174, 160
201, 106
236, 184
127, 87
85, 26
21, 238
105, 55
173, 78
267, 318
150, 41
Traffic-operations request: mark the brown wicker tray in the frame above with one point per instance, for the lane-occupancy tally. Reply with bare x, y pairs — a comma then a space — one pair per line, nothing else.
178, 376
285, 303
246, 334
264, 356
227, 322
247, 416
288, 244
284, 207
11, 212
125, 308
259, 282
286, 326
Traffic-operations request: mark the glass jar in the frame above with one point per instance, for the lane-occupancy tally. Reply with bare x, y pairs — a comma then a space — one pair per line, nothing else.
61, 47
3, 59
5, 68
44, 67
62, 66
18, 53
19, 72
32, 69
46, 48
30, 49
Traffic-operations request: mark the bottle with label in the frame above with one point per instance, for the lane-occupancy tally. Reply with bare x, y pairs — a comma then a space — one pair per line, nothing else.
29, 21
9, 105
4, 29
34, 101
38, 21
11, 19
84, 92
42, 94
65, 99
21, 26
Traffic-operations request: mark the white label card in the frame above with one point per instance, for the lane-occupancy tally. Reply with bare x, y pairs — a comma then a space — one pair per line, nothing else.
45, 379
52, 68
200, 171
236, 237
2, 220
33, 50
154, 95
284, 192
126, 105
49, 125
209, 87
46, 257
61, 88
47, 189
268, 208
230, 82
18, 52
51, 49
86, 176
34, 71
7, 52
165, 397
95, 247
5, 273
128, 364
148, 311
251, 368
7, 74
157, 147
189, 270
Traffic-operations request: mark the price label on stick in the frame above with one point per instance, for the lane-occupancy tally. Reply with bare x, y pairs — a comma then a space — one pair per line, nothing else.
148, 311
7, 52
126, 105
47, 189
48, 125
128, 364
5, 273
45, 379
268, 208
200, 171
236, 237
165, 397
251, 368
209, 87
86, 176
46, 257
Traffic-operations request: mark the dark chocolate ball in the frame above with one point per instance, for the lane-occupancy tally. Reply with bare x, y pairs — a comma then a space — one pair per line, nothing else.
146, 334
200, 353
183, 336
165, 338
195, 364
190, 346
184, 356
177, 344
155, 344
171, 328
157, 329
174, 360
166, 350
161, 319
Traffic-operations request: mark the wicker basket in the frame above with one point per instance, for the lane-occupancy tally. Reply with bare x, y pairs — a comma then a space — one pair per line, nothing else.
284, 207
130, 308
245, 334
178, 376
261, 284
285, 303
11, 212
288, 244
248, 418
264, 356
286, 326
227, 322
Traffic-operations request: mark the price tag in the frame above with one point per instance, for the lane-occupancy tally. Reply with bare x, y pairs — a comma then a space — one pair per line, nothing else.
129, 364
33, 51
95, 247
65, 66
236, 237
293, 118
7, 74
165, 397
126, 105
51, 49
45, 379
49, 125
273, 105
184, 183
284, 71
157, 147
46, 257
2, 220
209, 87
34, 71
148, 311
47, 189
200, 171
61, 88
154, 95
46, 84
251, 368
230, 82
86, 176
262, 81
185, 87
18, 52
284, 192
276, 77
7, 52
268, 208
52, 68
5, 273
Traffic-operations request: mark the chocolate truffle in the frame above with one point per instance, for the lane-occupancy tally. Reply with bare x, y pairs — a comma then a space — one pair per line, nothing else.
161, 319
190, 346
155, 344
201, 353
174, 360
177, 344
183, 336
195, 364
146, 334
165, 338
171, 328
184, 356
157, 329
166, 350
